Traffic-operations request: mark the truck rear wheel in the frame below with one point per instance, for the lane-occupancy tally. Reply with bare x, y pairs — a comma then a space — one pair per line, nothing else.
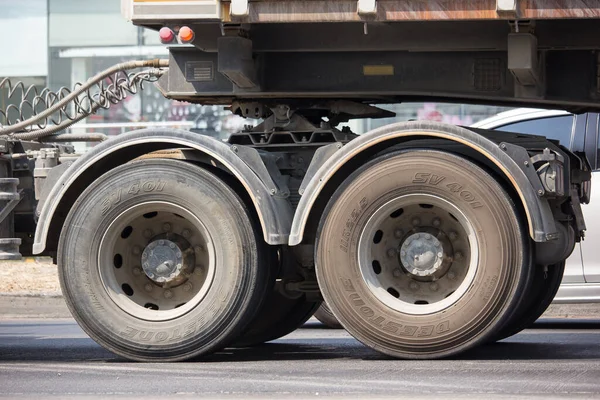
279, 317
326, 317
421, 254
544, 289
160, 260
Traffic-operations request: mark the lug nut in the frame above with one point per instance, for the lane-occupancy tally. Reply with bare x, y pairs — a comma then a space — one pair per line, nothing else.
161, 242
198, 249
403, 253
172, 245
148, 233
440, 254
391, 253
166, 227
148, 287
414, 286
168, 294
451, 275
185, 233
178, 265
398, 233
458, 255
453, 235
436, 222
416, 221
187, 287
136, 250
397, 273
434, 287
137, 271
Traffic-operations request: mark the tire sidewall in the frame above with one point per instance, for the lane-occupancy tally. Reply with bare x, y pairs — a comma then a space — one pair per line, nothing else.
205, 327
499, 240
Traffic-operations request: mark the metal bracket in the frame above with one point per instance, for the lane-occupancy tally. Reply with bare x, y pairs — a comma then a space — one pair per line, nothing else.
321, 155
508, 7
239, 8
11, 205
521, 157
367, 7
252, 158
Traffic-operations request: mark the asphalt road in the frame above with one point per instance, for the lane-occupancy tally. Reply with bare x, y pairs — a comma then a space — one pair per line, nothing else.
54, 358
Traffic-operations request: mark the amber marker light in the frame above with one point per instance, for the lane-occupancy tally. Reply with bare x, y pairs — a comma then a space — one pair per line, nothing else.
186, 34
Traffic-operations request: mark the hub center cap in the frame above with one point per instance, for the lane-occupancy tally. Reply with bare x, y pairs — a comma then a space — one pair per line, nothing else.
162, 261
422, 254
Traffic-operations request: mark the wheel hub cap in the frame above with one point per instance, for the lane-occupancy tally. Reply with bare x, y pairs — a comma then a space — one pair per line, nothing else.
422, 254
162, 261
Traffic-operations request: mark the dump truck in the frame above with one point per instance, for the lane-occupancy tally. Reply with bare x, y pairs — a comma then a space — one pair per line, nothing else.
425, 239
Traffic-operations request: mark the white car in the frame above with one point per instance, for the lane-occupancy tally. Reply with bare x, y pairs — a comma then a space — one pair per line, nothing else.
581, 280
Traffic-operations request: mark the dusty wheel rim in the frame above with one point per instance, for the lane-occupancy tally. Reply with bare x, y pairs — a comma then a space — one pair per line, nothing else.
156, 261
418, 254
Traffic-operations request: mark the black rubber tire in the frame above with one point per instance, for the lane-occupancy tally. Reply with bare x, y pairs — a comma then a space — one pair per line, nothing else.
239, 280
279, 317
498, 281
543, 291
327, 318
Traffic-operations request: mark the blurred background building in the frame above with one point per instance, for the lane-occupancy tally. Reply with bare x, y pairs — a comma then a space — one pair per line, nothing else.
58, 43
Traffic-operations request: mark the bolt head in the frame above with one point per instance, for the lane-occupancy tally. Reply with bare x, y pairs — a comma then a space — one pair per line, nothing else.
403, 253
148, 287
391, 253
398, 233
166, 227
434, 287
187, 287
458, 255
136, 250
397, 273
440, 254
453, 235
451, 275
168, 294
148, 233
146, 265
137, 271
436, 222
416, 221
172, 245
186, 233
161, 242
414, 286
178, 254
178, 265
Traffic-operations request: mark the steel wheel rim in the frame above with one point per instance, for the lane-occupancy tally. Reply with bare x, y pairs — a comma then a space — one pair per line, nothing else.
155, 225
385, 262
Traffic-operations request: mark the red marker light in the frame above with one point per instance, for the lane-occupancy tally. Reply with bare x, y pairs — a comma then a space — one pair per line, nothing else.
166, 35
186, 34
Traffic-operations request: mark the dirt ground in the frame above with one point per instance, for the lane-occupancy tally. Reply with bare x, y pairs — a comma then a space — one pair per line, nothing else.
33, 276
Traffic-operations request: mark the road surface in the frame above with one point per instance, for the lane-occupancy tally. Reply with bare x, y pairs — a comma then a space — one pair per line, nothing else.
54, 358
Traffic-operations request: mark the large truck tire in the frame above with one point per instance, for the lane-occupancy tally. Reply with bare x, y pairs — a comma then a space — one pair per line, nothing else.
326, 317
279, 317
159, 260
544, 289
421, 254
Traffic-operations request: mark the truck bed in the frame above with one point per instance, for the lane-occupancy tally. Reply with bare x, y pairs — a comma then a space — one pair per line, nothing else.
274, 11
